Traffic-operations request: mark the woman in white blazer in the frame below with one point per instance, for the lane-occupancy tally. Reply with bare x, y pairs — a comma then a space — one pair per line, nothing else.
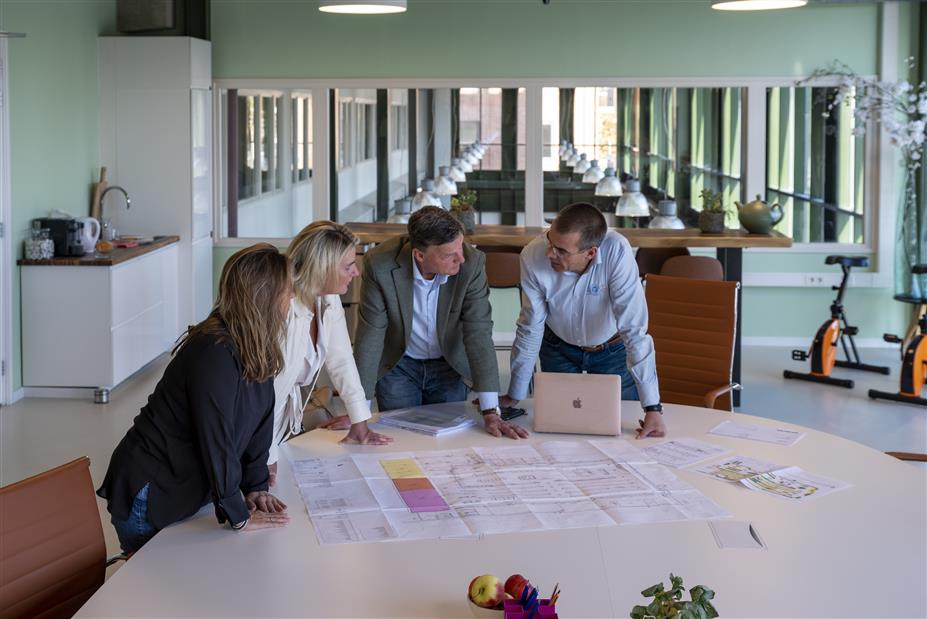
323, 259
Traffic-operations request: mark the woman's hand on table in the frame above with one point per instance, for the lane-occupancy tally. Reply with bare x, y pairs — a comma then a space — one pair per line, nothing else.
341, 422
361, 434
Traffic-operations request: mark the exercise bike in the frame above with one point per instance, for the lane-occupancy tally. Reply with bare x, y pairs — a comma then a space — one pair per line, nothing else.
913, 360
823, 353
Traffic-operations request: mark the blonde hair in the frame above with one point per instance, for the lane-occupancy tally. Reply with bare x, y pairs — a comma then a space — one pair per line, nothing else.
254, 282
315, 254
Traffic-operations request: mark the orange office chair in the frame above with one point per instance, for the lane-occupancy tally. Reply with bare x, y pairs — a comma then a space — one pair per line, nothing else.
693, 323
651, 259
52, 551
694, 267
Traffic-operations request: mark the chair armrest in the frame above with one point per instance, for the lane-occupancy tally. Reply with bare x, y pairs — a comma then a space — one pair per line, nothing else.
714, 394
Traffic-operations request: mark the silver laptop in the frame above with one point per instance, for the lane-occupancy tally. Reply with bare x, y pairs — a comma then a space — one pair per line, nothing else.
577, 403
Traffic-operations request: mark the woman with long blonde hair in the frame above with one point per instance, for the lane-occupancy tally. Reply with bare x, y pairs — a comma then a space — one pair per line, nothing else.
324, 263
205, 433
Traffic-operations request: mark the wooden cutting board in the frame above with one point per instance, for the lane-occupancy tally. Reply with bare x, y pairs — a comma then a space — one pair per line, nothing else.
98, 189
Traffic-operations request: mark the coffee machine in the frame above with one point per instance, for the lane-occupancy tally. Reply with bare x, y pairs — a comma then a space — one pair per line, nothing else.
66, 233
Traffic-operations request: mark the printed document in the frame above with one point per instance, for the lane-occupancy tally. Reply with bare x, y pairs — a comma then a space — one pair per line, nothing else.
682, 452
779, 436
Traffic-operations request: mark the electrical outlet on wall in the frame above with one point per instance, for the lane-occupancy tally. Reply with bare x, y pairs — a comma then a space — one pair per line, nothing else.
812, 279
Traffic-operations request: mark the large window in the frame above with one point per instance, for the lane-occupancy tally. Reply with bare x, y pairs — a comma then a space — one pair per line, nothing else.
267, 165
815, 166
494, 117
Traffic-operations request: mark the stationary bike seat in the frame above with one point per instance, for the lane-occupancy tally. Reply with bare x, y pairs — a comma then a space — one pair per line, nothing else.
848, 261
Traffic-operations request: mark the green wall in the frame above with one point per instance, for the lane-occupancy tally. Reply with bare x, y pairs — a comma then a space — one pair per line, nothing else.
54, 117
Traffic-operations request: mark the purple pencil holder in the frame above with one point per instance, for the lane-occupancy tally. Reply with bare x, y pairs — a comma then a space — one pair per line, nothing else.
512, 610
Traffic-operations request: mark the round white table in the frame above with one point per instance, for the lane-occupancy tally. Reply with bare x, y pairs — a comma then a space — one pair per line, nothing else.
859, 552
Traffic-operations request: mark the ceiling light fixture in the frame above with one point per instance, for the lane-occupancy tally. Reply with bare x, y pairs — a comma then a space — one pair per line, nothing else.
756, 5
362, 7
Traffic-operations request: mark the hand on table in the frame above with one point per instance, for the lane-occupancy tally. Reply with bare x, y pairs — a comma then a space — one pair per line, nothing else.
495, 426
263, 520
361, 434
651, 425
341, 422
263, 501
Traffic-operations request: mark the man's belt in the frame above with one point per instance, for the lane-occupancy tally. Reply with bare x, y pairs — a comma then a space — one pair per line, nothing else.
600, 347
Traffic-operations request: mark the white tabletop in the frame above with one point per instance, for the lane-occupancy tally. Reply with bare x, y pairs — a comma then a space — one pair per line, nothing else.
860, 552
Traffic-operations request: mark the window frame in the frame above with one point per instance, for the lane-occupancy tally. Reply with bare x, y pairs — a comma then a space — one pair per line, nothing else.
879, 165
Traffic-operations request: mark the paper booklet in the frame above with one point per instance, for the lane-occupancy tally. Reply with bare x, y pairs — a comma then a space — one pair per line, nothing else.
430, 421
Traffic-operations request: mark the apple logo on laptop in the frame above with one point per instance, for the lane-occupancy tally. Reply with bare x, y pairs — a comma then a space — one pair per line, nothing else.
577, 403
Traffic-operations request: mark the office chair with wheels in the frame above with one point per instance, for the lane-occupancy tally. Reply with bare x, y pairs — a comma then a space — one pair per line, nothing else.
51, 542
693, 323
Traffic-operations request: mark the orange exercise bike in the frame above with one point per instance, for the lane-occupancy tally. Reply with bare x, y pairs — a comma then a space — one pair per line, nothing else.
823, 353
913, 361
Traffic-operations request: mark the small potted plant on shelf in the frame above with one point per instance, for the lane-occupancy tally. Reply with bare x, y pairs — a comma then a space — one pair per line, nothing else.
711, 217
667, 604
463, 207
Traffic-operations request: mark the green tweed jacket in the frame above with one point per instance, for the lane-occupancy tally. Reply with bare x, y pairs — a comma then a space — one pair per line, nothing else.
385, 316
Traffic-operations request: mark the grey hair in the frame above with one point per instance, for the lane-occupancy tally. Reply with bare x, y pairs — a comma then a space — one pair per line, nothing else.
584, 218
432, 226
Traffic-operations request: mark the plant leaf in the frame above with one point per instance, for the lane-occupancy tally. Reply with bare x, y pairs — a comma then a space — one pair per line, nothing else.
652, 590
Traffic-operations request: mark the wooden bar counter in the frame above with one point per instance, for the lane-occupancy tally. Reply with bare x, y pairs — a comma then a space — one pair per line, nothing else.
729, 246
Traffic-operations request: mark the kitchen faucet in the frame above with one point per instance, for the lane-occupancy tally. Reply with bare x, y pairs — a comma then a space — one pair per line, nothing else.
107, 229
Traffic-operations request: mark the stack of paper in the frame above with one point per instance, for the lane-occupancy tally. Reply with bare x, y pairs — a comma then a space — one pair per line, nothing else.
430, 421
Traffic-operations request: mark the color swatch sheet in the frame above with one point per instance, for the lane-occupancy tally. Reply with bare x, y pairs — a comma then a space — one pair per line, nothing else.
474, 491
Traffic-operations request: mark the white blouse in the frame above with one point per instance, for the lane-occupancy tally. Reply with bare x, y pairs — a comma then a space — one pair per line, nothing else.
303, 361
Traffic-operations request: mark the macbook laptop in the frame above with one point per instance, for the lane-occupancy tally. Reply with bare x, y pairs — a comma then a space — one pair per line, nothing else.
577, 403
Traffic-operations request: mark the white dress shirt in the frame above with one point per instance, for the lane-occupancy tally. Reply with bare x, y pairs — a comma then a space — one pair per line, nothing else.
584, 309
303, 361
423, 341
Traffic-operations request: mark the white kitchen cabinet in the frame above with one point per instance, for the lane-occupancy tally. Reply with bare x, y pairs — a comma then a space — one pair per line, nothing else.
94, 326
156, 130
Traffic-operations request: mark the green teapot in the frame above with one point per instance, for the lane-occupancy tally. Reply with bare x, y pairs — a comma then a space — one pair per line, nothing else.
757, 217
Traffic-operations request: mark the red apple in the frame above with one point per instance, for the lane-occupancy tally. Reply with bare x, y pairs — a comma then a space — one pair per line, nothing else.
486, 591
515, 584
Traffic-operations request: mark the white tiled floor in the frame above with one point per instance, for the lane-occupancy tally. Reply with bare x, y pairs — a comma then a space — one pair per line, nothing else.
37, 434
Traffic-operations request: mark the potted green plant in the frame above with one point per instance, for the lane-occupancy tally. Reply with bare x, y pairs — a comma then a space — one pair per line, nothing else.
463, 207
668, 604
711, 217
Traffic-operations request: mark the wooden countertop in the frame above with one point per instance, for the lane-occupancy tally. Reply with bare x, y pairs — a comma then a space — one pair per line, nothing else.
519, 236
105, 260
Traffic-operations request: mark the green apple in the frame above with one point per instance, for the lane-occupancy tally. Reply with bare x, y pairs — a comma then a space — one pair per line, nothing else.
486, 591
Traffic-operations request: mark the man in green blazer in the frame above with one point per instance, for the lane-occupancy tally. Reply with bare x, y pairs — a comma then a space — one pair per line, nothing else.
425, 323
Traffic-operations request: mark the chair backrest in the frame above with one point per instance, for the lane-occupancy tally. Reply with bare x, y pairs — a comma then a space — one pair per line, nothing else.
692, 323
651, 259
694, 267
51, 542
503, 269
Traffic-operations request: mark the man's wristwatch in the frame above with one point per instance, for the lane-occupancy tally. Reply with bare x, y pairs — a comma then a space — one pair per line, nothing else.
491, 411
654, 408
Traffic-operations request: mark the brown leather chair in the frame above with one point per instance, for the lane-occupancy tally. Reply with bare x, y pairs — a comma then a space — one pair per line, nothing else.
694, 267
52, 552
692, 323
503, 268
906, 455
651, 259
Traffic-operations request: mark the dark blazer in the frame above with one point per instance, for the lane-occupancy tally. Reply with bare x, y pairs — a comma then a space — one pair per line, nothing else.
203, 437
385, 316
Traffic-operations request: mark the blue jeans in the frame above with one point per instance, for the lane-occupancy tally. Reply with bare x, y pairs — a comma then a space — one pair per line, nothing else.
135, 531
558, 356
413, 382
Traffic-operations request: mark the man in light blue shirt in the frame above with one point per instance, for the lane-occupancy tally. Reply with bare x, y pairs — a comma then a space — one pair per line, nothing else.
425, 323
583, 310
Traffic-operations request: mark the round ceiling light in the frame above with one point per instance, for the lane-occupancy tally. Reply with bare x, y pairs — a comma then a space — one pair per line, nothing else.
756, 5
362, 7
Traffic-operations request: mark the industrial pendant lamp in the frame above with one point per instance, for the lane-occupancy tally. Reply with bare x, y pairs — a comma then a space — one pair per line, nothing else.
362, 7
756, 5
